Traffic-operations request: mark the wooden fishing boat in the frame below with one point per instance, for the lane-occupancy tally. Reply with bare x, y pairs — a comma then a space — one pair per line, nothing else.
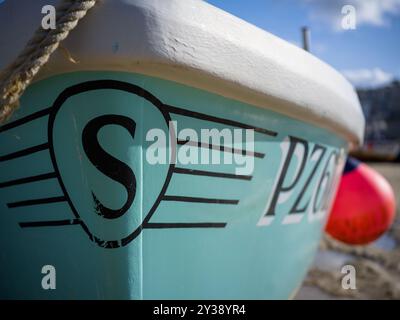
83, 184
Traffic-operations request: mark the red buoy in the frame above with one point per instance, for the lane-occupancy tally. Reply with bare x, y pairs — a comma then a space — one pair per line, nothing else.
364, 207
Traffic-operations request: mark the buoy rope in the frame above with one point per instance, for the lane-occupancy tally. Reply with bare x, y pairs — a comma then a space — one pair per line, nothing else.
15, 78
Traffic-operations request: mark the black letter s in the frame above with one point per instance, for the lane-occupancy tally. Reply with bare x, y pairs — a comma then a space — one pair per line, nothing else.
107, 164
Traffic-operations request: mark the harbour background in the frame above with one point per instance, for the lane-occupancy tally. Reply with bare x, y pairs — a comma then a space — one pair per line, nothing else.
377, 265
381, 108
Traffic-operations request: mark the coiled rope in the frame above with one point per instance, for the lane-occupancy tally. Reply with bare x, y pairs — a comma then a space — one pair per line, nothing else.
18, 75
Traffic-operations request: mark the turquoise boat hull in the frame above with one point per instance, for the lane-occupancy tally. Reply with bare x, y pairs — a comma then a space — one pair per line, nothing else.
77, 192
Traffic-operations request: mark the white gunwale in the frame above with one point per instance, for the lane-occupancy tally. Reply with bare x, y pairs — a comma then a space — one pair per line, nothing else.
194, 43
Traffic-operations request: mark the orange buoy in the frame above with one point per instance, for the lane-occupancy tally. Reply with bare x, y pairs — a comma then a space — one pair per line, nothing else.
364, 207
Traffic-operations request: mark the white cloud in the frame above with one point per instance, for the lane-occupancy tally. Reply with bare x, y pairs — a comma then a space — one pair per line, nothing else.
368, 12
367, 78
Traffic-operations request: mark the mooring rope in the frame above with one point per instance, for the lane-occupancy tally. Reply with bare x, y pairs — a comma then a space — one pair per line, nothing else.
19, 74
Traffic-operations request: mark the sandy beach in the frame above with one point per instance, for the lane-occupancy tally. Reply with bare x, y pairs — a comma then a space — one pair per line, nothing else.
377, 265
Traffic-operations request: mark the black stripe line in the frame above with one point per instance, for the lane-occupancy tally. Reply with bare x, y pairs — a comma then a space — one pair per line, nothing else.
24, 152
26, 119
154, 225
53, 223
36, 202
207, 117
199, 200
39, 177
221, 148
212, 174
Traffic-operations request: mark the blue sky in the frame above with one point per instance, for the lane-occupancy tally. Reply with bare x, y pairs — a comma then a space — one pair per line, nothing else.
369, 55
